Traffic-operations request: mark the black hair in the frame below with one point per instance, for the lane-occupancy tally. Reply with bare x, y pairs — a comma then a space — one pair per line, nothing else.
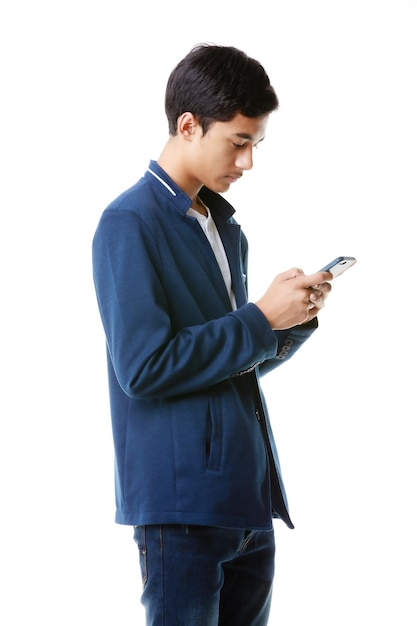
215, 83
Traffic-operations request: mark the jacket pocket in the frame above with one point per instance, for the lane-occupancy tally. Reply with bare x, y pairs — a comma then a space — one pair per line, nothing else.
213, 439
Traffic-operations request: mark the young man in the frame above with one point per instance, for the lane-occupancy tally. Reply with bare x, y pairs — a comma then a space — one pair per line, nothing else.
196, 467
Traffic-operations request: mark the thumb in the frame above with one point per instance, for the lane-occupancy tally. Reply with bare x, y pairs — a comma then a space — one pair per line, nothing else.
294, 272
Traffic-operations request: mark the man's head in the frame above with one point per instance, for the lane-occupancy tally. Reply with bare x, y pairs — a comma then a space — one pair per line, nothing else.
215, 83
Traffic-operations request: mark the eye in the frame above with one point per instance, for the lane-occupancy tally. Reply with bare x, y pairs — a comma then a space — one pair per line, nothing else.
239, 145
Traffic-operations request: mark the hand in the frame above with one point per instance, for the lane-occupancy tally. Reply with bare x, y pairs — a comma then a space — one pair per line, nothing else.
293, 298
318, 295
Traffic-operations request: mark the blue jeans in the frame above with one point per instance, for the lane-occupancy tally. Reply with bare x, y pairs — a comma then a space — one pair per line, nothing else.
205, 576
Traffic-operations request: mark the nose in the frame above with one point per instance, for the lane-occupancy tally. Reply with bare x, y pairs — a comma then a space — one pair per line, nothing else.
244, 160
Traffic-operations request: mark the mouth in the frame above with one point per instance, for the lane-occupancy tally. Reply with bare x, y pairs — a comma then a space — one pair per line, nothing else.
232, 178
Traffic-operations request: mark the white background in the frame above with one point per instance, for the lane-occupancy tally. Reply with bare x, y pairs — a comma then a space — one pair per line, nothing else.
81, 115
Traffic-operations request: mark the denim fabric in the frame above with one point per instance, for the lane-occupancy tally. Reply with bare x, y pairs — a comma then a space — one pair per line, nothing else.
205, 576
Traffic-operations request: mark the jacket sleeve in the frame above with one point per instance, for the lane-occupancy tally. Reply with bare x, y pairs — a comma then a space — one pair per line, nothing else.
289, 341
149, 356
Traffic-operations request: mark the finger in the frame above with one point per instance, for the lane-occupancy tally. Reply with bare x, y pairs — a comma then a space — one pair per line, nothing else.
318, 303
310, 313
314, 280
294, 272
315, 295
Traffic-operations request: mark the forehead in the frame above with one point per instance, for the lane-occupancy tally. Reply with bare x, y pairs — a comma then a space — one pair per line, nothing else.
250, 128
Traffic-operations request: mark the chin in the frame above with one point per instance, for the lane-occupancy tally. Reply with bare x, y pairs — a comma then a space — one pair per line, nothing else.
219, 186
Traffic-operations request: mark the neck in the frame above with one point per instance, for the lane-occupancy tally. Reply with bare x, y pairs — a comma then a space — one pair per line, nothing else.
198, 206
173, 159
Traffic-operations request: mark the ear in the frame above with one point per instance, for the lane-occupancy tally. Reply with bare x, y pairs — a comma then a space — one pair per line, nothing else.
186, 125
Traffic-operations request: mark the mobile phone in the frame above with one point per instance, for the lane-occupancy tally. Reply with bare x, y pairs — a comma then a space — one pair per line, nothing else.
339, 265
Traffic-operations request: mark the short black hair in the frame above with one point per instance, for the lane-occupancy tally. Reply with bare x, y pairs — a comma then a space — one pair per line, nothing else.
215, 83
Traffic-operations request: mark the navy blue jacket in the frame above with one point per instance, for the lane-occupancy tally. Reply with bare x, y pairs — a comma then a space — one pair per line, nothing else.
192, 437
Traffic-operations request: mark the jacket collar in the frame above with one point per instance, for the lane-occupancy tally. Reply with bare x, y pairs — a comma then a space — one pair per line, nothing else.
219, 207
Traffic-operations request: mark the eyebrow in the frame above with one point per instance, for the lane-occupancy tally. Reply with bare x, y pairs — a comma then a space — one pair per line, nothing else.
247, 136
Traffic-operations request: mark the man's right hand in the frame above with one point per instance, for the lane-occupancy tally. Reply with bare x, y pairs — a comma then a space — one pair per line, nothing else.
294, 298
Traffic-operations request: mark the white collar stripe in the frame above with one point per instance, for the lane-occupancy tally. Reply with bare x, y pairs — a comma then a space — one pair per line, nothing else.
162, 181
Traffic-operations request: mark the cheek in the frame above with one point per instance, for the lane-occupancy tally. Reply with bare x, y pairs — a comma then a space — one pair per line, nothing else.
221, 158
214, 160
